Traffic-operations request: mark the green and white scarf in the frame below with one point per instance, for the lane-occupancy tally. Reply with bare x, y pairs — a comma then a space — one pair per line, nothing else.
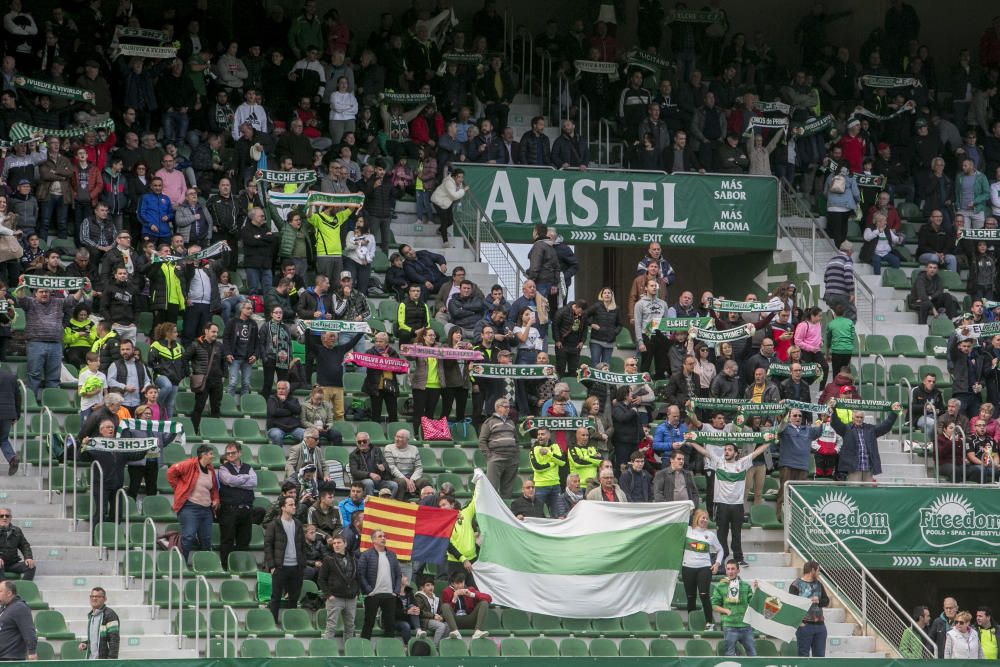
670, 324
596, 67
990, 305
143, 51
770, 107
814, 125
648, 61
337, 326
718, 404
556, 423
536, 371
726, 306
981, 330
390, 97
766, 123
725, 335
861, 111
68, 283
694, 16
980, 234
749, 409
862, 404
345, 200
816, 408
785, 370
724, 437
295, 176
138, 33
22, 132
40, 87
874, 81
149, 426
210, 251
587, 374
463, 58
874, 181
122, 444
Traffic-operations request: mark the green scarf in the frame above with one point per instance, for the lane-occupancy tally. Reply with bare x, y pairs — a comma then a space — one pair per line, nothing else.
40, 87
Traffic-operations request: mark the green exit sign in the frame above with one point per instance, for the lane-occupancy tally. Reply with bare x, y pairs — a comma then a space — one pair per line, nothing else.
53, 553
418, 228
27, 524
133, 641
3, 495
80, 581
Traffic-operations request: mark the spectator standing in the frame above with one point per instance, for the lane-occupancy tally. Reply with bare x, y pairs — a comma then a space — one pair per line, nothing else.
811, 633
730, 598
18, 640
838, 280
635, 482
498, 443
103, 628
605, 323
569, 149
962, 641
451, 190
795, 439
699, 566
988, 631
285, 557
972, 194
43, 328
380, 577
237, 483
10, 413
196, 496
240, 346
338, 581
205, 356
913, 646
859, 455
653, 345
941, 625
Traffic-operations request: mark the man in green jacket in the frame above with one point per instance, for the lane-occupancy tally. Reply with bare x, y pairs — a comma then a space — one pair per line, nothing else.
730, 598
972, 194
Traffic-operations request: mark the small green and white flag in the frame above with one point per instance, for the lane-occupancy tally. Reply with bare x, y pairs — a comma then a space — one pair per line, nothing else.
775, 612
622, 558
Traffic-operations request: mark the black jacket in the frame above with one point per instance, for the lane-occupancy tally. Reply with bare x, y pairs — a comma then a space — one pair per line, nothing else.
628, 427
609, 321
258, 246
275, 541
562, 326
118, 303
158, 283
689, 160
18, 639
368, 570
113, 258
663, 486
10, 396
330, 362
373, 375
380, 201
253, 338
339, 576
198, 354
12, 541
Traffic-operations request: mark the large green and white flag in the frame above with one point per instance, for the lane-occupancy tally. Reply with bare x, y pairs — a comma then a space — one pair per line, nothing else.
775, 612
621, 558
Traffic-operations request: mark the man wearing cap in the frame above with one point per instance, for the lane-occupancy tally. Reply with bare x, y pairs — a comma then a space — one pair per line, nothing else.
351, 305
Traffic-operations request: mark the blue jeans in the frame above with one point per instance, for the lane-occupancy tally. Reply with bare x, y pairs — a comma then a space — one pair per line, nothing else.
361, 346
231, 306
372, 487
600, 354
890, 259
8, 450
44, 365
926, 422
277, 436
424, 210
53, 204
259, 280
239, 377
950, 262
811, 637
551, 496
196, 526
732, 636
175, 127
168, 394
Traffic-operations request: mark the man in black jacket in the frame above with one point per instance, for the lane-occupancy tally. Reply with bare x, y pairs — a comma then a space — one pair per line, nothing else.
286, 562
206, 356
330, 369
123, 255
665, 484
104, 626
569, 328
380, 201
679, 156
367, 465
10, 412
241, 345
227, 219
14, 547
118, 305
18, 640
338, 581
315, 303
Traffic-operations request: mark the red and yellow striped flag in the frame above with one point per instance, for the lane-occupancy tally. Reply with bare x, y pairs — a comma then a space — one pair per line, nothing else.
412, 532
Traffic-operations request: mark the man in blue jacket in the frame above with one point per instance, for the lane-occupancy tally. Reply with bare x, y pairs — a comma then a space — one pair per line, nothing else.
156, 214
381, 577
425, 268
669, 436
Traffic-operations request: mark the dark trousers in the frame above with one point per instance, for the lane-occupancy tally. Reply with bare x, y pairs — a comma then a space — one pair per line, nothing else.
380, 397
196, 316
213, 395
940, 302
816, 358
838, 361
836, 226
709, 491
811, 637
457, 395
568, 360
27, 573
446, 218
385, 603
270, 371
312, 342
285, 579
657, 350
234, 530
730, 519
697, 581
168, 314
424, 403
145, 473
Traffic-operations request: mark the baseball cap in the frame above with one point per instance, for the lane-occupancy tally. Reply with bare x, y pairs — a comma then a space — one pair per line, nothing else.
384, 493
921, 122
847, 389
345, 274
24, 181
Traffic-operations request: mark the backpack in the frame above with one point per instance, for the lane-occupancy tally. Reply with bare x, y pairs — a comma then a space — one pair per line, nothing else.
838, 185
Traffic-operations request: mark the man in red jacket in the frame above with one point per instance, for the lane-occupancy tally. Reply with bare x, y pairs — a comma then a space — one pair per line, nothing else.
464, 607
196, 497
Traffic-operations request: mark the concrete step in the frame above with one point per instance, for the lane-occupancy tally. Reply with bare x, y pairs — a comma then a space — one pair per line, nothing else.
142, 627
37, 509
67, 594
906, 471
65, 582
44, 526
769, 559
61, 552
132, 612
68, 567
19, 482
77, 538
143, 651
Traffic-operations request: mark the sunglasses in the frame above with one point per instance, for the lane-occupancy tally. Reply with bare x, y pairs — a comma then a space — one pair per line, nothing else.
363, 442
4, 516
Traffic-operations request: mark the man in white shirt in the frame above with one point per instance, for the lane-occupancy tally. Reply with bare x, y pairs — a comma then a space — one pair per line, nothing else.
381, 578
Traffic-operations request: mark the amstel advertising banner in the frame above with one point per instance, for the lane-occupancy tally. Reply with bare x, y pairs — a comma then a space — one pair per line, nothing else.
925, 527
629, 208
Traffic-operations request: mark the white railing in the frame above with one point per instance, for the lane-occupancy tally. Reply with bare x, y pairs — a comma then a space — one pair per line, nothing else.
170, 591
226, 612
99, 510
145, 547
603, 141
875, 609
119, 494
199, 580
46, 419
25, 418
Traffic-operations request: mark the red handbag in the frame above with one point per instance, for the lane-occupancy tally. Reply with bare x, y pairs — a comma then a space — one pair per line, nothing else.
435, 429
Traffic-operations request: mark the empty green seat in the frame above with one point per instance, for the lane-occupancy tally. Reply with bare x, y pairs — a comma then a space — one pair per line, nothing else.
70, 650
289, 648
895, 278
235, 593
789, 649
698, 647
214, 430
389, 647
254, 648
356, 647
242, 563
483, 648
936, 346
549, 626
267, 483
571, 647
631, 648
662, 648
454, 459
877, 344
57, 400
172, 453
669, 622
248, 432
764, 516
428, 459
271, 457
600, 648
766, 648
513, 647
516, 622
637, 625
158, 508
28, 590
607, 627
50, 624
253, 405
260, 623
296, 622
451, 647
187, 619
543, 647
324, 648
207, 563
905, 346
941, 326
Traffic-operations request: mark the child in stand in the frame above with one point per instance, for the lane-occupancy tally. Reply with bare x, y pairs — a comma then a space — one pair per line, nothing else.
646, 447
402, 176
91, 386
825, 450
428, 605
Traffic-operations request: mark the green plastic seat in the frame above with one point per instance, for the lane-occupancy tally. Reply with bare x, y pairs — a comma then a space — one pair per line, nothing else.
267, 483
388, 647
698, 647
873, 373
669, 622
607, 627
764, 516
70, 650
254, 648
172, 453
451, 647
429, 460
637, 625
895, 278
167, 559
228, 406
44, 650
296, 622
336, 453
158, 508
50, 624
323, 648
789, 649
346, 429
356, 647
387, 310
242, 564
187, 618
934, 346
941, 326
897, 372
235, 593
571, 647
375, 431
195, 593
253, 405
214, 430
766, 648
549, 626
208, 564
289, 648
543, 647
256, 538
599, 648
28, 590
514, 647
247, 431
516, 622
483, 648
135, 538
877, 344
104, 533
630, 648
906, 346
271, 457
260, 623
58, 400
624, 341
454, 459
353, 382
662, 648
220, 649
770, 488
951, 280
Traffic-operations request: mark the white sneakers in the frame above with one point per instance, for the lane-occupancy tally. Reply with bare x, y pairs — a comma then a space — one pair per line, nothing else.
455, 634
421, 634
479, 634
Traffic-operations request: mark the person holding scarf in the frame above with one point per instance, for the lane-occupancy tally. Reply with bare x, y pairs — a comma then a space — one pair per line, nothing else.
275, 350
315, 304
193, 221
381, 385
730, 598
427, 378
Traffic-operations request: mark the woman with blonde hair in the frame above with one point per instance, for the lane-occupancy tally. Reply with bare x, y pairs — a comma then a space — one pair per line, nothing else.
698, 567
962, 641
605, 324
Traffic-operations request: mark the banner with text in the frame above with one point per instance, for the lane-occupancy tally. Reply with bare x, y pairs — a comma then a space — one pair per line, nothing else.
918, 527
629, 208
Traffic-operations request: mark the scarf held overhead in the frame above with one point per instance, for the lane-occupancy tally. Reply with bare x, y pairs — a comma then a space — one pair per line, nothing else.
210, 251
337, 326
726, 306
556, 423
52, 282
123, 444
726, 335
22, 132
40, 87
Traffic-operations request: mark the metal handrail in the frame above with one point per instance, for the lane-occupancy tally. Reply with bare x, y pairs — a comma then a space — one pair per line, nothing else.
909, 418
583, 113
119, 494
170, 593
99, 509
545, 81
603, 141
885, 375
199, 579
146, 523
76, 480
25, 418
483, 237
227, 610
45, 438
957, 460
871, 590
865, 302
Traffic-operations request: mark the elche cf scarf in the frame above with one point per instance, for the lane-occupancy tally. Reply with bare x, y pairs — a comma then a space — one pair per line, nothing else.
282, 177
377, 362
450, 353
671, 324
166, 427
983, 329
556, 423
67, 283
647, 61
874, 81
596, 67
979, 234
122, 444
40, 87
523, 371
724, 437
773, 305
587, 374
